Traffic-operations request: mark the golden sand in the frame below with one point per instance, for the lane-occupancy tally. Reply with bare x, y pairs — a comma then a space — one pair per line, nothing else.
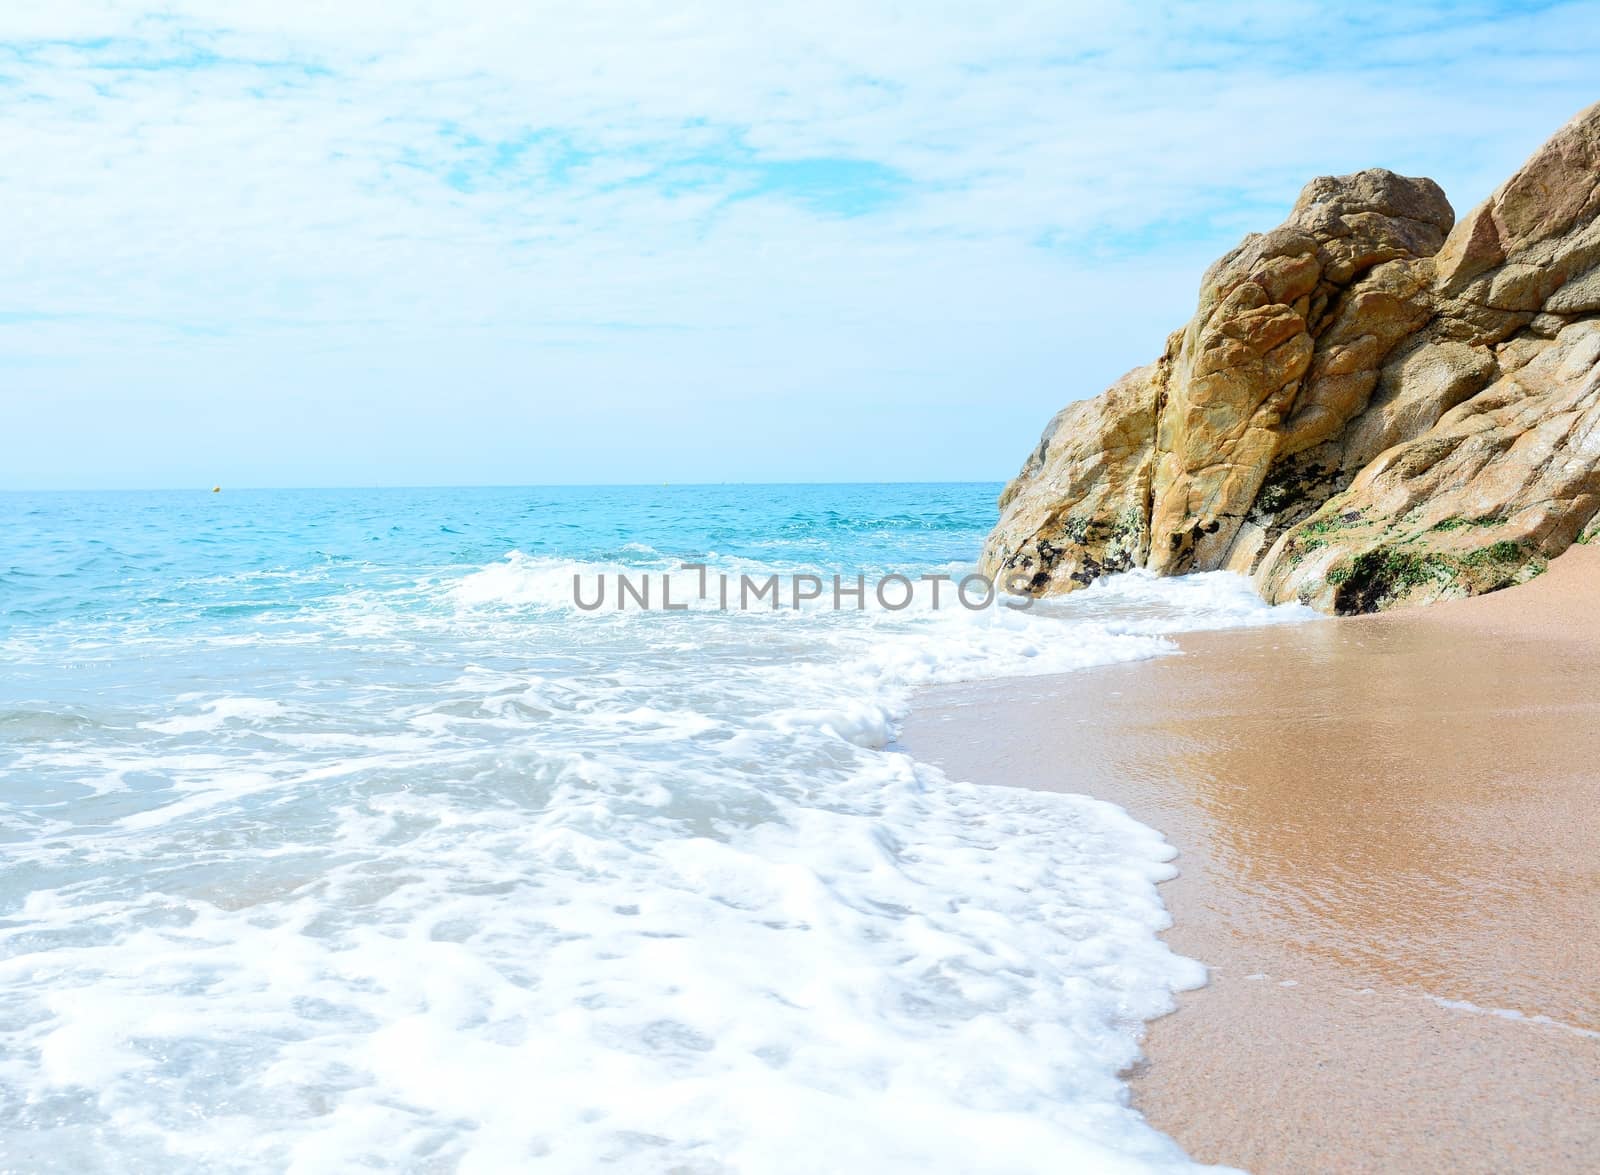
1389, 839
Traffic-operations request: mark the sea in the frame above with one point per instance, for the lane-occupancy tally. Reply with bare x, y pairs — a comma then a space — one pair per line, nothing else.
339, 832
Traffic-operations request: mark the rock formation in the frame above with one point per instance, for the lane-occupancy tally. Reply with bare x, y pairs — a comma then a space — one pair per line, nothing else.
1372, 406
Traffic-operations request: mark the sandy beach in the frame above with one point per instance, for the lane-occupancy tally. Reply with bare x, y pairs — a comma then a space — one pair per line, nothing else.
1389, 856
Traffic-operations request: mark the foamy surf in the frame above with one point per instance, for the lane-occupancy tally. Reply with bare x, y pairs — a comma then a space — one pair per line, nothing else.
442, 874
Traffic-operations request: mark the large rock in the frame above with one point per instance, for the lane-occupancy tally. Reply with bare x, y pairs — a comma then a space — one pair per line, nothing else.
1480, 501
1086, 509
1367, 408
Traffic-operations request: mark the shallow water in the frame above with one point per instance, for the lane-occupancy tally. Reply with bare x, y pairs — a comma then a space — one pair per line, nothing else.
1387, 828
335, 834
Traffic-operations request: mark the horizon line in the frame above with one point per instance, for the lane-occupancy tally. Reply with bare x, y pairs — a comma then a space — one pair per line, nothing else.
572, 485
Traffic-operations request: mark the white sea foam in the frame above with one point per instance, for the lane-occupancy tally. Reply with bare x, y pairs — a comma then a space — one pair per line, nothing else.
212, 714
1512, 1014
520, 579
569, 891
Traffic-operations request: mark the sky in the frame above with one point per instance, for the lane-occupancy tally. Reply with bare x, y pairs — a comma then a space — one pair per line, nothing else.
399, 242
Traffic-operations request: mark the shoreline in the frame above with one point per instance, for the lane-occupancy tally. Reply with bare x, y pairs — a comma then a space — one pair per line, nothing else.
1387, 837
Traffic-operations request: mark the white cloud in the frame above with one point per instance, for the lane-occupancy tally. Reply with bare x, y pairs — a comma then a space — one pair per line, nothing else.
633, 200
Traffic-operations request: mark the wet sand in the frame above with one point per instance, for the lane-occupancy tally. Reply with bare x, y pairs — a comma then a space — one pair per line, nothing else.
1389, 852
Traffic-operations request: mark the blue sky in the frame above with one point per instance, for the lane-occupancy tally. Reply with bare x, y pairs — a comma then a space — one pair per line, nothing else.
407, 242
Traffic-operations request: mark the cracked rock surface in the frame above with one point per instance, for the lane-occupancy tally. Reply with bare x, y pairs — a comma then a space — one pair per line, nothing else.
1372, 406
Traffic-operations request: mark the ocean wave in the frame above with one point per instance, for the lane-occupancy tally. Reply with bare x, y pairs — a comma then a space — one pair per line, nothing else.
446, 873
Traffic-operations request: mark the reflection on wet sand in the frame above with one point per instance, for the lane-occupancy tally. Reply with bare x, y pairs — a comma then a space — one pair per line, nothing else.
1388, 833
1413, 837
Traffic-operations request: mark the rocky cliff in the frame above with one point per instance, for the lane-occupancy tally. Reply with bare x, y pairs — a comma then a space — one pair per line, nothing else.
1372, 406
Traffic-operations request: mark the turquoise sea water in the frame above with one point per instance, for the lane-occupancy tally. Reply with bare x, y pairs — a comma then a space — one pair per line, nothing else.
335, 835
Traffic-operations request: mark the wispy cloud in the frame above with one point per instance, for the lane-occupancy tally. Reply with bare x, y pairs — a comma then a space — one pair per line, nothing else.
881, 208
